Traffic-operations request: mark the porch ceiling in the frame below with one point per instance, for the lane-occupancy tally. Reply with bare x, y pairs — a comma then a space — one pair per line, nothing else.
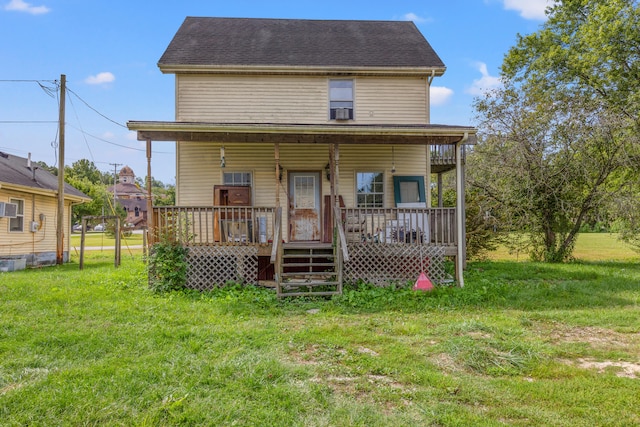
269, 133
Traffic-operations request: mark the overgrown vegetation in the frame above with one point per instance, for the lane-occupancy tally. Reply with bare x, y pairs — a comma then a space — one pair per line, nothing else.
167, 266
522, 344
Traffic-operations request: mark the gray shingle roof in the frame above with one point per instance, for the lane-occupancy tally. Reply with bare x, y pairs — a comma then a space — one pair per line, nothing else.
297, 42
14, 170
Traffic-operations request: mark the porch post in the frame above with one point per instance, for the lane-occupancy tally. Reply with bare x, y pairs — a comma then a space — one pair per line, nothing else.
336, 172
277, 180
332, 162
428, 183
150, 224
460, 213
440, 200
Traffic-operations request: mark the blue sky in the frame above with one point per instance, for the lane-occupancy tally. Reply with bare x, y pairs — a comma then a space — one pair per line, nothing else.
108, 51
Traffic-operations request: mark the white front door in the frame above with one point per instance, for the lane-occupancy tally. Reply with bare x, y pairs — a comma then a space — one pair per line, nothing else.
304, 206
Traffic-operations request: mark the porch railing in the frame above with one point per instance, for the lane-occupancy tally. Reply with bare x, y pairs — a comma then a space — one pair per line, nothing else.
428, 226
224, 225
219, 225
444, 154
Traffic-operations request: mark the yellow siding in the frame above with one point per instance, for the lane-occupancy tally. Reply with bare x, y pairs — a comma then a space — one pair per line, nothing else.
200, 171
297, 99
26, 242
391, 100
251, 99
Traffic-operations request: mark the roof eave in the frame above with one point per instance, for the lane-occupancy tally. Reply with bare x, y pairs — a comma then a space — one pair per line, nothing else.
298, 70
184, 131
42, 191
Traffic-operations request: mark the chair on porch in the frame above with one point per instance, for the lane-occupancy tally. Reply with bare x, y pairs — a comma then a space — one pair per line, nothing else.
354, 224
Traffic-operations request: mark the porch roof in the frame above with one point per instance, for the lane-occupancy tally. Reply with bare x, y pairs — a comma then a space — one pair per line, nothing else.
270, 133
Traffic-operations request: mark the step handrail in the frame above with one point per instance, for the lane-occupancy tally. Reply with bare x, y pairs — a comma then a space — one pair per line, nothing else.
277, 238
341, 235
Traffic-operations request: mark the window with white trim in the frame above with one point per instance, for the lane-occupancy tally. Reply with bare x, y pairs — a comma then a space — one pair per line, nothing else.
17, 224
341, 99
236, 178
370, 189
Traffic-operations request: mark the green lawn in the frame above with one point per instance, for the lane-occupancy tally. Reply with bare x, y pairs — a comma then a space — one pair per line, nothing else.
96, 239
589, 247
522, 344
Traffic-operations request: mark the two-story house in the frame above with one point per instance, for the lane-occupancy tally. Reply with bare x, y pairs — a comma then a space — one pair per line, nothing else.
304, 154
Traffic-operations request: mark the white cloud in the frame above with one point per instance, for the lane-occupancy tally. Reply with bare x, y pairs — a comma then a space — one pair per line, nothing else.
529, 9
439, 95
413, 17
108, 135
100, 78
22, 6
484, 83
132, 135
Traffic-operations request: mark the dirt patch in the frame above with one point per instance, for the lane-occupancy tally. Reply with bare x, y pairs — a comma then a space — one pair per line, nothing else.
445, 362
622, 369
595, 337
365, 350
10, 387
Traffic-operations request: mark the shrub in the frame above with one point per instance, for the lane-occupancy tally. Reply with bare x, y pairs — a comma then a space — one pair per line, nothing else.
167, 266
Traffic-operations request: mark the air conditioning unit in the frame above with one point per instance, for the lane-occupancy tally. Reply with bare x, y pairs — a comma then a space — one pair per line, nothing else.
9, 210
342, 113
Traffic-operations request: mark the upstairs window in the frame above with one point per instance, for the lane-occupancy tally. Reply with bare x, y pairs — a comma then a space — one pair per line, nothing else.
341, 99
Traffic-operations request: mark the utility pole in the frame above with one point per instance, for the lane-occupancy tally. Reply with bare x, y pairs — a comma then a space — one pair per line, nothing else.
115, 182
60, 222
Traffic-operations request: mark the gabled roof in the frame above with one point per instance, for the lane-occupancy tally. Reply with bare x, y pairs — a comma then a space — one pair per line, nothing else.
228, 43
14, 170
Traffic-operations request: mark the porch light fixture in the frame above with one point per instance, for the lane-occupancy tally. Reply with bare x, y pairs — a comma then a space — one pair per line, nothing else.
327, 171
393, 160
223, 163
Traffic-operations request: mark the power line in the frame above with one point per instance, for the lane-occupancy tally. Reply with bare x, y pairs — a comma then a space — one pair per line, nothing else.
94, 110
28, 121
84, 136
26, 81
114, 143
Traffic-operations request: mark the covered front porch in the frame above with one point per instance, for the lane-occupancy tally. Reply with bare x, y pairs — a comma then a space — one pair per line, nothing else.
264, 244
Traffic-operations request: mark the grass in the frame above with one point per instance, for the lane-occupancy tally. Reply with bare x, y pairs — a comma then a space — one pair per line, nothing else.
99, 240
589, 247
522, 344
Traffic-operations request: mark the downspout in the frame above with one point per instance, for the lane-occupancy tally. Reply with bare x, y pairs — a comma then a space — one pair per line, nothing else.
459, 212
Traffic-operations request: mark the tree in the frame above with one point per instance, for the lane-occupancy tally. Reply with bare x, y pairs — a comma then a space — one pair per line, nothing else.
559, 143
85, 169
546, 163
163, 195
99, 197
591, 46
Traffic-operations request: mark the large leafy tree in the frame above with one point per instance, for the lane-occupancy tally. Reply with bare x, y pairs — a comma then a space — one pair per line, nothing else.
590, 46
545, 165
560, 140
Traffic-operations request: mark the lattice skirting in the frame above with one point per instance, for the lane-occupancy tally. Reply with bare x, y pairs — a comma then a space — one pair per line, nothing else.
382, 264
213, 266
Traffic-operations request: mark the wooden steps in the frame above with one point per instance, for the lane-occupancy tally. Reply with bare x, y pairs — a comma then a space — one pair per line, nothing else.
308, 270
